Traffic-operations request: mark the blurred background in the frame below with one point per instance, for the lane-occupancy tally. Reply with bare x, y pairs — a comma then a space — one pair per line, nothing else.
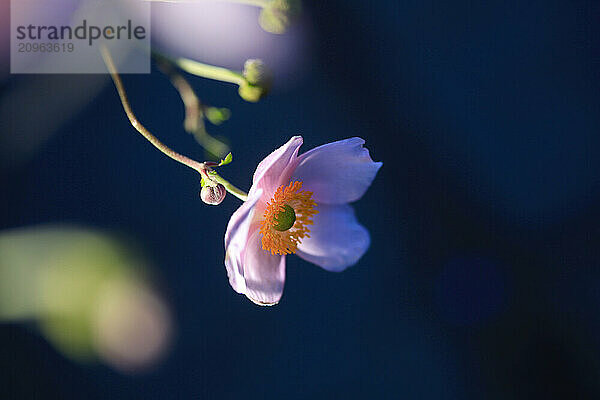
483, 277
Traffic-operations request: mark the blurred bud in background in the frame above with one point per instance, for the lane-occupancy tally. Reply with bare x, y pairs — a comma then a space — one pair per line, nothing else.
278, 15
257, 73
88, 293
258, 80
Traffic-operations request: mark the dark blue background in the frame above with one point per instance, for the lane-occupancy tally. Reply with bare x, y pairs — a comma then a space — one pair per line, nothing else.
483, 278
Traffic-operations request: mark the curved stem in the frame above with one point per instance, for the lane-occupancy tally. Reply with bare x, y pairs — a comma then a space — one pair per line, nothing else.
195, 165
198, 166
240, 194
203, 70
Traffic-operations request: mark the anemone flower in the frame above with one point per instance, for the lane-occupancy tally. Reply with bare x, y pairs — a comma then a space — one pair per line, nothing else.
298, 204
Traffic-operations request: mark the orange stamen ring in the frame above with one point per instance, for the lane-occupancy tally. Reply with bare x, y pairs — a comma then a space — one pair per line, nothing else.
286, 242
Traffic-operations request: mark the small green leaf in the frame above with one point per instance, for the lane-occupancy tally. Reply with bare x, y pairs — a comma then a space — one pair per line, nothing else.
228, 158
202, 182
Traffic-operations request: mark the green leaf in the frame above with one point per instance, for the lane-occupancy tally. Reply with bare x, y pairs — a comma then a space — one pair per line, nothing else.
228, 158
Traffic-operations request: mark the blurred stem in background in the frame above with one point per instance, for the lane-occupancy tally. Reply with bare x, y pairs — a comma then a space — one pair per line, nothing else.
254, 82
196, 113
204, 169
204, 70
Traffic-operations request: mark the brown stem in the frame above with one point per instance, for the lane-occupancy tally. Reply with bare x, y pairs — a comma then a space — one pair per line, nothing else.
198, 166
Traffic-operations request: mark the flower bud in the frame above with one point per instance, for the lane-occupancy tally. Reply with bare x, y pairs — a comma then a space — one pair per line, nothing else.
258, 80
278, 15
257, 73
213, 195
251, 93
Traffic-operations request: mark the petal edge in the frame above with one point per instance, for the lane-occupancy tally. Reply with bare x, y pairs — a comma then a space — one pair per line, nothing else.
264, 273
338, 172
236, 238
337, 240
276, 167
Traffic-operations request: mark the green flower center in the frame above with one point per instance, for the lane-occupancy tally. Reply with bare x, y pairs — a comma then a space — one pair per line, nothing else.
285, 219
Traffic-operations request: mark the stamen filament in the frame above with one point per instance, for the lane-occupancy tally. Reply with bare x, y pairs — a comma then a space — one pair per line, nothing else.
287, 200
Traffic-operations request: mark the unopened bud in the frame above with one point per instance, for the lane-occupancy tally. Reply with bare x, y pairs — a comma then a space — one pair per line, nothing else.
213, 195
258, 80
278, 15
257, 73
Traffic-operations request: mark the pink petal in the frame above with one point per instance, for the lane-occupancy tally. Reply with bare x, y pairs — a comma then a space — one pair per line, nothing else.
338, 172
264, 273
336, 240
276, 169
236, 238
